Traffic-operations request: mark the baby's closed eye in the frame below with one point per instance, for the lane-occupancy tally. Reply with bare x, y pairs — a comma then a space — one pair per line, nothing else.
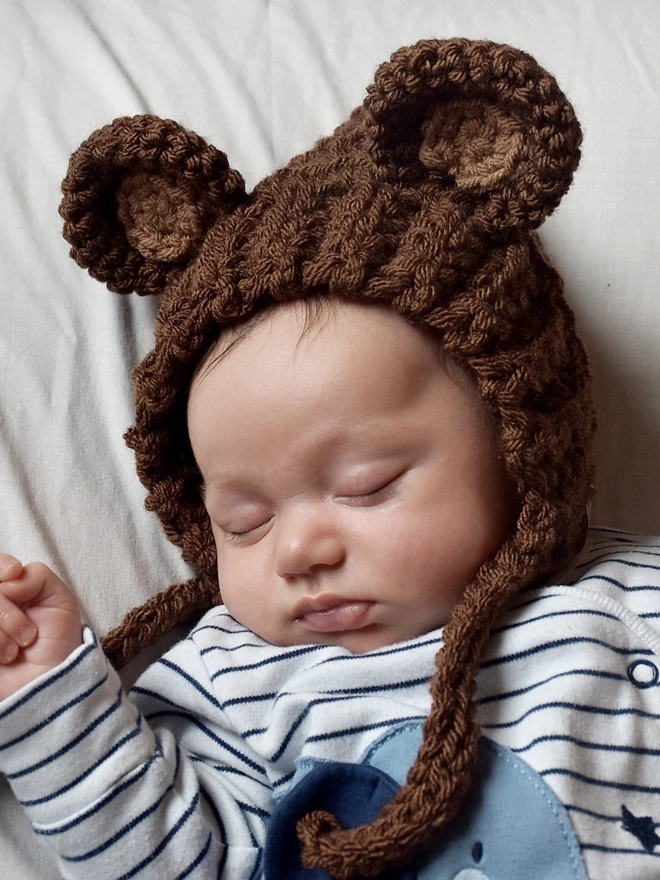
254, 533
374, 492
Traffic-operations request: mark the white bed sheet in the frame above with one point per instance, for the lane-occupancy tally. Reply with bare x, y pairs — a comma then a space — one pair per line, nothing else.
262, 80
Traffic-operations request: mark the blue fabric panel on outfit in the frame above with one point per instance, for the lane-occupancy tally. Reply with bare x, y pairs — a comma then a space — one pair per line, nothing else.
353, 793
395, 751
510, 826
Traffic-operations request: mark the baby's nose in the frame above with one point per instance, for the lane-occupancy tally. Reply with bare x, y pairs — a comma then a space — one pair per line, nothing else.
306, 542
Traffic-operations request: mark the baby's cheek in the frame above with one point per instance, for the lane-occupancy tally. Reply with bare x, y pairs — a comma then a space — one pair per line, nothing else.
242, 593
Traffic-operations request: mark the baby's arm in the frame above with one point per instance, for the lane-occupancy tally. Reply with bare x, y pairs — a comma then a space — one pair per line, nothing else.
171, 793
40, 623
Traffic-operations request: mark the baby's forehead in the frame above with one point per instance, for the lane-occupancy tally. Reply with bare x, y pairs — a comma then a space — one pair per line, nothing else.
338, 320
329, 346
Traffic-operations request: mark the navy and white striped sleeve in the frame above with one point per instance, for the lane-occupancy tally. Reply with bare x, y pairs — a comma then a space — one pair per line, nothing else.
118, 794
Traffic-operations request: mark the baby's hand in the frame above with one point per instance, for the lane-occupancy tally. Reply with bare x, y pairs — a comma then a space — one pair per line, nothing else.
40, 622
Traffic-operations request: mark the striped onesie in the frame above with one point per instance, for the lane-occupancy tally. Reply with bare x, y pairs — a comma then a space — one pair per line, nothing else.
227, 738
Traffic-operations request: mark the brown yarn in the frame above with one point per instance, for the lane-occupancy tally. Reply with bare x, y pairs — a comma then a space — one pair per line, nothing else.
425, 199
144, 625
161, 219
476, 143
143, 144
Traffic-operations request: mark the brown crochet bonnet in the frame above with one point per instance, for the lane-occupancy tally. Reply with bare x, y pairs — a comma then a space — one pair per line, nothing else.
426, 199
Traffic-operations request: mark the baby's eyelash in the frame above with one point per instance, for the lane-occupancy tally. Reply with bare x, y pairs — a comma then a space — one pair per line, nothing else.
248, 535
381, 490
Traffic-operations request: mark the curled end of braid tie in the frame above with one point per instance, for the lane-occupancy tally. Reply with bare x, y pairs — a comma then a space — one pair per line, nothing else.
365, 851
324, 844
390, 841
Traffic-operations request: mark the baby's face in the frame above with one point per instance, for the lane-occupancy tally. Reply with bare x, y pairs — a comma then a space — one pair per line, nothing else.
354, 488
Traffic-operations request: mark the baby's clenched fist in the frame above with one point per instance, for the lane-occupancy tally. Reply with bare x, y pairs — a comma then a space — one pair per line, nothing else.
40, 622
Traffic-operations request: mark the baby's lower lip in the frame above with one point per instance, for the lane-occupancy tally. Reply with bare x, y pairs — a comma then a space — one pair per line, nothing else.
339, 618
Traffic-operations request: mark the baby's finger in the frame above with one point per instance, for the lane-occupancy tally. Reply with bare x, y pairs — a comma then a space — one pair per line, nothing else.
8, 650
10, 567
15, 625
32, 581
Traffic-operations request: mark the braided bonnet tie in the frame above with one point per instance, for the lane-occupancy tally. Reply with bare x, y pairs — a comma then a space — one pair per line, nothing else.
426, 199
440, 776
145, 625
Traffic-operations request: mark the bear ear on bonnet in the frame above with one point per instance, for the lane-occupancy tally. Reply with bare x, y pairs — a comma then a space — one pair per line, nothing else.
483, 118
139, 196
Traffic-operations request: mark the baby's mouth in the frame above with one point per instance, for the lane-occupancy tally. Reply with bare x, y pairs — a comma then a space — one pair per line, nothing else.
333, 614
